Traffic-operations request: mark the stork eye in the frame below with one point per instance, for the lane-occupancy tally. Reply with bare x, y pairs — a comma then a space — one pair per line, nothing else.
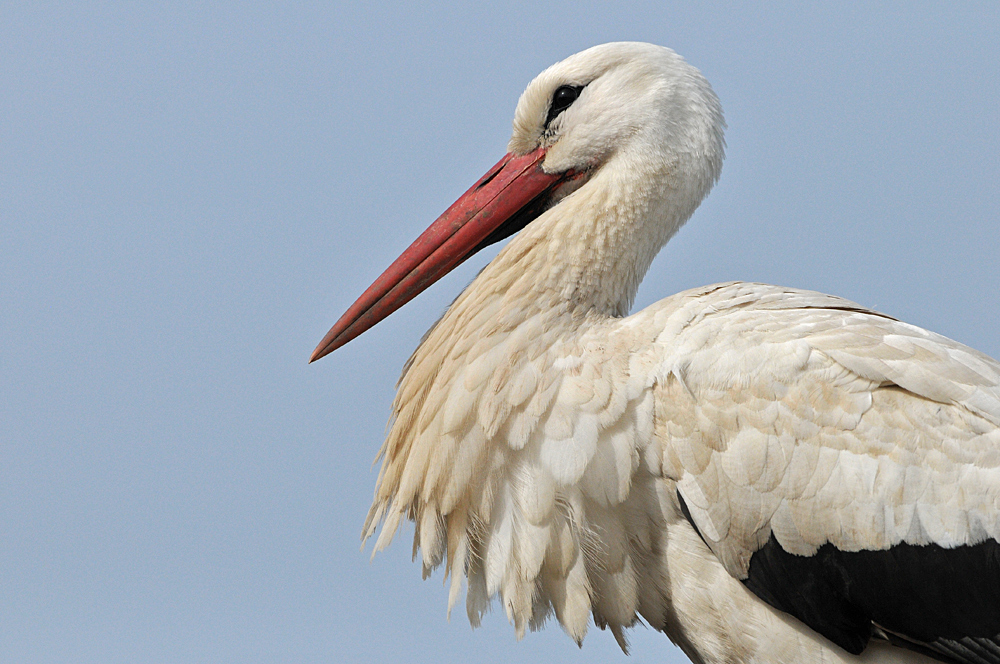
562, 98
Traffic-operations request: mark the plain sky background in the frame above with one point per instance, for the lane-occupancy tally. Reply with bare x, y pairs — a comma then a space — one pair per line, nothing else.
191, 195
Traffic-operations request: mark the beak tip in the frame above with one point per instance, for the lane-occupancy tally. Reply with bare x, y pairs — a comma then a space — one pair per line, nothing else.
333, 340
321, 351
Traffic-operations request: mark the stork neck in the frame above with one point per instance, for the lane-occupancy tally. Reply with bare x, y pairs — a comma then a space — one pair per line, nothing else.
588, 253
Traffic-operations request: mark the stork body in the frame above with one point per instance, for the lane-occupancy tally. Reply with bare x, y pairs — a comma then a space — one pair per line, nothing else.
764, 474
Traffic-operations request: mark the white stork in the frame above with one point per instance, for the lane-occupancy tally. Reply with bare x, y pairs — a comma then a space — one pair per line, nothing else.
764, 474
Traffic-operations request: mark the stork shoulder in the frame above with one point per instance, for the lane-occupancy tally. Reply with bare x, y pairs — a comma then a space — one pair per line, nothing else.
808, 415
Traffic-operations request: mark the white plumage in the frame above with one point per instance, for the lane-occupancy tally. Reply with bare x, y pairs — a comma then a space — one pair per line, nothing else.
547, 446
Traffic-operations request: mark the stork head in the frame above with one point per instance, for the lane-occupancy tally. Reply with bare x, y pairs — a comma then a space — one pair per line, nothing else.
637, 100
628, 108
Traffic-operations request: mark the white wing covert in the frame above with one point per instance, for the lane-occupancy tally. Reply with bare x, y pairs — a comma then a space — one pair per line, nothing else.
802, 421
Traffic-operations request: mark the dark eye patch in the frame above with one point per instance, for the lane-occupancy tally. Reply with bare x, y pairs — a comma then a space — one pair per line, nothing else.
562, 98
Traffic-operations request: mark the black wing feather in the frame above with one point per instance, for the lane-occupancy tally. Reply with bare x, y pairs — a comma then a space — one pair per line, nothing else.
942, 602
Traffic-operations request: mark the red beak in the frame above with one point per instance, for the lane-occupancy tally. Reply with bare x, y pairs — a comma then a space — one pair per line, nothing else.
510, 194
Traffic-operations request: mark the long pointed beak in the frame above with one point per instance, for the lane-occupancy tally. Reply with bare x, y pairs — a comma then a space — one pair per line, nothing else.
513, 185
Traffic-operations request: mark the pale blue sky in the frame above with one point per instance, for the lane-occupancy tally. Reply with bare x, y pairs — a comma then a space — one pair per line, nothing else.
190, 197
